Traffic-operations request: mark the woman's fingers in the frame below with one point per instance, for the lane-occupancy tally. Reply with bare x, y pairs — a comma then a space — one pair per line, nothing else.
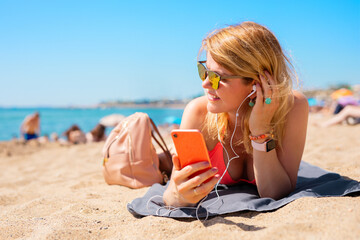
274, 90
265, 81
176, 162
271, 82
195, 194
259, 94
205, 188
265, 106
185, 189
195, 188
183, 175
193, 168
201, 178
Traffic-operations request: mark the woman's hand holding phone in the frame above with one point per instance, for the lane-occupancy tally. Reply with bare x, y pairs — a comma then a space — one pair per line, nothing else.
187, 190
192, 182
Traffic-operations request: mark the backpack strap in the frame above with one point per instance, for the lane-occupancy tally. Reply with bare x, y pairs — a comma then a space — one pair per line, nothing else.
162, 145
164, 166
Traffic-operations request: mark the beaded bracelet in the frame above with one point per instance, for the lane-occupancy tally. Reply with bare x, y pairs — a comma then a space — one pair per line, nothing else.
262, 136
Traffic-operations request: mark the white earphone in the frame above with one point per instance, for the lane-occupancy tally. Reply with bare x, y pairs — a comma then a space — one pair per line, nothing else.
250, 94
253, 91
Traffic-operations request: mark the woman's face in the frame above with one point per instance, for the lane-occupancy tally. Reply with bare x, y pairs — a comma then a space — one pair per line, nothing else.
229, 95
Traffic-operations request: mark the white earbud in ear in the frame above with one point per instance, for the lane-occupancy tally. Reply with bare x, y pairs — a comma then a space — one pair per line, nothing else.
253, 90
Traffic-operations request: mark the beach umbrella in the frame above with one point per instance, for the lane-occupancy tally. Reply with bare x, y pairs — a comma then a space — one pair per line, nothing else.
111, 120
341, 93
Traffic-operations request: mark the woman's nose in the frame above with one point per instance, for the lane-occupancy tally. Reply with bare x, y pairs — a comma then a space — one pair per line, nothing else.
206, 83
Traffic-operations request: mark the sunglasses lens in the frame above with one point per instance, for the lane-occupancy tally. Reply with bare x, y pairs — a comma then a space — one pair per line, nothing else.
214, 80
202, 71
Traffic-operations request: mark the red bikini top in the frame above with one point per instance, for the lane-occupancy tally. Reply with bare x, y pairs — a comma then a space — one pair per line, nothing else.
217, 160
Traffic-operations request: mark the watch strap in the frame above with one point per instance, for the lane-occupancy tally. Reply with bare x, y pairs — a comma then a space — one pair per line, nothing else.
266, 146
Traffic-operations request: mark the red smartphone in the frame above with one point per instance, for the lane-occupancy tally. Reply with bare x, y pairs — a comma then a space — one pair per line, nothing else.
190, 147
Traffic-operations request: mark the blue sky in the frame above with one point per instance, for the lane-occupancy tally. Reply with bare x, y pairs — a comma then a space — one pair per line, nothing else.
61, 53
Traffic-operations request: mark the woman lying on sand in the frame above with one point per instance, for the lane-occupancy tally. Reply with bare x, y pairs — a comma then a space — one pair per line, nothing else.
350, 114
259, 135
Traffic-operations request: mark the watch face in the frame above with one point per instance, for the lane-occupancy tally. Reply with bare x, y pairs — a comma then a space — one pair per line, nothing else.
270, 145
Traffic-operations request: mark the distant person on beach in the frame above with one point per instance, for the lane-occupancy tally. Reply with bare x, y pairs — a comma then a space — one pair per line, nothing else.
253, 136
30, 127
54, 137
44, 139
342, 102
97, 134
350, 114
75, 135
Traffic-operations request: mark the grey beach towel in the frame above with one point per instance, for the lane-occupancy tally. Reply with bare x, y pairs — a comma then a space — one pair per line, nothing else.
312, 182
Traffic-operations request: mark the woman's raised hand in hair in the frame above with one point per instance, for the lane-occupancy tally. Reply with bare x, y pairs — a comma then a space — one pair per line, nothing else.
262, 113
184, 190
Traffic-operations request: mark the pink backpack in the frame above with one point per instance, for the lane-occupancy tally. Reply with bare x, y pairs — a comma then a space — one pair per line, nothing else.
130, 158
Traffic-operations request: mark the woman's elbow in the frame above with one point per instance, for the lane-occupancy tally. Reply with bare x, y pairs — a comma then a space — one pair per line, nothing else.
277, 193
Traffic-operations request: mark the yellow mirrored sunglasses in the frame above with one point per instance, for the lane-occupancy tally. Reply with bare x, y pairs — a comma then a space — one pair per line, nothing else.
214, 78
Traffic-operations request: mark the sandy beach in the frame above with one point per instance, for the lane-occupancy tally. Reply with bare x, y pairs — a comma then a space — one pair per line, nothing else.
58, 192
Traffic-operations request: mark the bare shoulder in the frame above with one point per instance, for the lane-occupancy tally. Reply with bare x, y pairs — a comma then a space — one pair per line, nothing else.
194, 113
298, 114
300, 102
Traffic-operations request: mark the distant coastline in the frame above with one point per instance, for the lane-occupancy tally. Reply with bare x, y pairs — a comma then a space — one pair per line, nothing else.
173, 104
150, 105
176, 104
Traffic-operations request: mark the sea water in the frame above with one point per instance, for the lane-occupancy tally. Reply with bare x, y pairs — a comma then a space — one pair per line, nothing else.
59, 120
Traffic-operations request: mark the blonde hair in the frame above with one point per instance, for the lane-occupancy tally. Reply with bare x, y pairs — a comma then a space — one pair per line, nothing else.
247, 50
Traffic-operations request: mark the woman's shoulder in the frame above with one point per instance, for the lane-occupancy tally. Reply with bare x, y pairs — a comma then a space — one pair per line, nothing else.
300, 105
197, 104
300, 100
194, 113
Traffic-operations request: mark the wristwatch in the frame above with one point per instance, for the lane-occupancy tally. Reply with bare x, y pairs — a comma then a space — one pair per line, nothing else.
266, 146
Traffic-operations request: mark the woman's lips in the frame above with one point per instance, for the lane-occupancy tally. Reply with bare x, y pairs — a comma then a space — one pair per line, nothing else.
212, 97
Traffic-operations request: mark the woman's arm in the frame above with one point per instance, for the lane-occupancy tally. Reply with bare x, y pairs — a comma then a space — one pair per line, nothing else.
294, 138
276, 171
